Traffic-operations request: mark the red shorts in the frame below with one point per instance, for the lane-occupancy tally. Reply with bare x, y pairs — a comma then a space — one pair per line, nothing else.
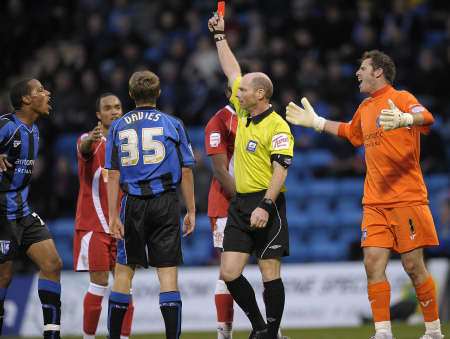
93, 251
401, 229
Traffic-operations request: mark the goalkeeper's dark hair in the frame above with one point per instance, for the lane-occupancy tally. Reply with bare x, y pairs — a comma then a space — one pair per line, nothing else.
19, 90
144, 87
103, 95
383, 61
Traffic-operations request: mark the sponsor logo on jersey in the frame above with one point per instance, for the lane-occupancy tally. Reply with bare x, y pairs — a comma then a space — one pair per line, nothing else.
251, 146
426, 303
214, 139
280, 141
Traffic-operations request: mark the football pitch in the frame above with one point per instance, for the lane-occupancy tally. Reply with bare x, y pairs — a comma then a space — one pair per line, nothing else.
401, 331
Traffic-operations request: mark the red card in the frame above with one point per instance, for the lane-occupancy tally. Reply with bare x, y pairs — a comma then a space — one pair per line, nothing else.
221, 8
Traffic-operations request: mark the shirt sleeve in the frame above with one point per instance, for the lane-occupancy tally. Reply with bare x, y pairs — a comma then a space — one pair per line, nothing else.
408, 103
282, 141
6, 132
352, 130
215, 137
234, 101
112, 152
185, 147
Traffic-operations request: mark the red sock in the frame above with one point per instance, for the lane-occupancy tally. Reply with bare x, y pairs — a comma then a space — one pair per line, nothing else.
128, 320
91, 312
224, 303
92, 307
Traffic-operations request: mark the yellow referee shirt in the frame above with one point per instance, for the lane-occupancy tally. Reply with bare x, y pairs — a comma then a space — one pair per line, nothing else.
257, 139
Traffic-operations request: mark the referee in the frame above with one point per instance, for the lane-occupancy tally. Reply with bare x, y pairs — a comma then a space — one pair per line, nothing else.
257, 214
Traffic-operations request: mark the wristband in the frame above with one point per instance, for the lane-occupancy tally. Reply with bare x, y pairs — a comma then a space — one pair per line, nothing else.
266, 204
219, 37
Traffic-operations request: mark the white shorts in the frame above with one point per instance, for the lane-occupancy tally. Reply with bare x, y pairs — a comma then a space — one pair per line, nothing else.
217, 229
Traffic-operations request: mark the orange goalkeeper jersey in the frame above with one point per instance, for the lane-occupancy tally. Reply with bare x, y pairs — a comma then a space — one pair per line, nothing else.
394, 177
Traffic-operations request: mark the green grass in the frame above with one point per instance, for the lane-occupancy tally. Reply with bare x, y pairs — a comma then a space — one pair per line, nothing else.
401, 331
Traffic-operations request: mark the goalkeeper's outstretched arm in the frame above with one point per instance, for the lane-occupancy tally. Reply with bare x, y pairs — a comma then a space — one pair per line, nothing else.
228, 62
306, 116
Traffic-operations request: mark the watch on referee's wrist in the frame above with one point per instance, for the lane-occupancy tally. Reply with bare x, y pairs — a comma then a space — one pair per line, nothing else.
266, 204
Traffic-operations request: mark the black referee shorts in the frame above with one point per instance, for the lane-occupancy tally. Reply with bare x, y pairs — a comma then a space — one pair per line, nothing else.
152, 231
269, 242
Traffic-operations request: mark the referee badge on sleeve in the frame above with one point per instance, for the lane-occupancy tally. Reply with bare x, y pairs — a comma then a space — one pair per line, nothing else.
251, 146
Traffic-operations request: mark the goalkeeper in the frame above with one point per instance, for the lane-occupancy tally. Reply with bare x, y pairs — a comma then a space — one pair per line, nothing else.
396, 215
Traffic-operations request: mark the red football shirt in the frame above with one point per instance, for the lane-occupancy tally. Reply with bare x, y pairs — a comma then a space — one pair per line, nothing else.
220, 133
92, 204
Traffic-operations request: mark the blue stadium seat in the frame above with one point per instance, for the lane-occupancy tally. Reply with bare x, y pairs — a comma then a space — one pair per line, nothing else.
351, 186
318, 158
437, 182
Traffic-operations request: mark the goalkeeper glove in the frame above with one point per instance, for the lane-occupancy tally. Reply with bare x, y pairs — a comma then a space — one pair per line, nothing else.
304, 116
393, 118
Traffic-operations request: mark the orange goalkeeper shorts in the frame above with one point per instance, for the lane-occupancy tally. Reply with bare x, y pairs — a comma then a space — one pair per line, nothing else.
401, 229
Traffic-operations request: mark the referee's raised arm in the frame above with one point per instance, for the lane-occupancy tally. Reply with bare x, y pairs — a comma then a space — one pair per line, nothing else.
228, 62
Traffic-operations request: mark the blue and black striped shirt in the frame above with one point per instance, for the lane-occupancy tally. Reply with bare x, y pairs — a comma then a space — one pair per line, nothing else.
20, 143
149, 148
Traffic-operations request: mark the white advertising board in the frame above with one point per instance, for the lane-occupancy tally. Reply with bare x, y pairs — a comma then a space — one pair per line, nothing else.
317, 295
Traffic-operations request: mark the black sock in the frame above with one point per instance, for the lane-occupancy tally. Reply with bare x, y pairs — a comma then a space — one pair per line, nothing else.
117, 307
170, 305
50, 295
244, 295
274, 300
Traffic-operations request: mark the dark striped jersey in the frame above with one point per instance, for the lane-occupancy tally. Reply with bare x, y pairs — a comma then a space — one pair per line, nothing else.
149, 148
20, 142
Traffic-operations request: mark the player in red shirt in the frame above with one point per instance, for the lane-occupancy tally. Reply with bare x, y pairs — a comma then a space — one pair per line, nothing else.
94, 248
220, 133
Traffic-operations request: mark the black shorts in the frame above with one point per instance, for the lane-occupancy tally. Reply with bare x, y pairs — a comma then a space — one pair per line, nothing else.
269, 242
152, 231
16, 236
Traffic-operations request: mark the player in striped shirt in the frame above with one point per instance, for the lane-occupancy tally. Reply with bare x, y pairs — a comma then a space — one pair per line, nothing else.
21, 229
148, 155
94, 248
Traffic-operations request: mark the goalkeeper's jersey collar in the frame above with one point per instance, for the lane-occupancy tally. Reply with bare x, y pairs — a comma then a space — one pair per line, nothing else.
381, 91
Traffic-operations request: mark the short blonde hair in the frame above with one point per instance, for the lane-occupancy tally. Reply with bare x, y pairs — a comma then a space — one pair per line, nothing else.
144, 86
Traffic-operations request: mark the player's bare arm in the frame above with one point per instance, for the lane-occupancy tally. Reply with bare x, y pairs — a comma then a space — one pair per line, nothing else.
187, 190
93, 136
228, 62
306, 116
115, 225
4, 164
260, 215
220, 172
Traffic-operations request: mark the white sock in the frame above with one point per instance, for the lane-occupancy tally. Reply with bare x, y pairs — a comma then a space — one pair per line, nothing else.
224, 330
433, 326
88, 336
383, 327
98, 290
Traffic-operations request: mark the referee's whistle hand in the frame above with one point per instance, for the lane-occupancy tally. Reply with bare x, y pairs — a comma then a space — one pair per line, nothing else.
259, 218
